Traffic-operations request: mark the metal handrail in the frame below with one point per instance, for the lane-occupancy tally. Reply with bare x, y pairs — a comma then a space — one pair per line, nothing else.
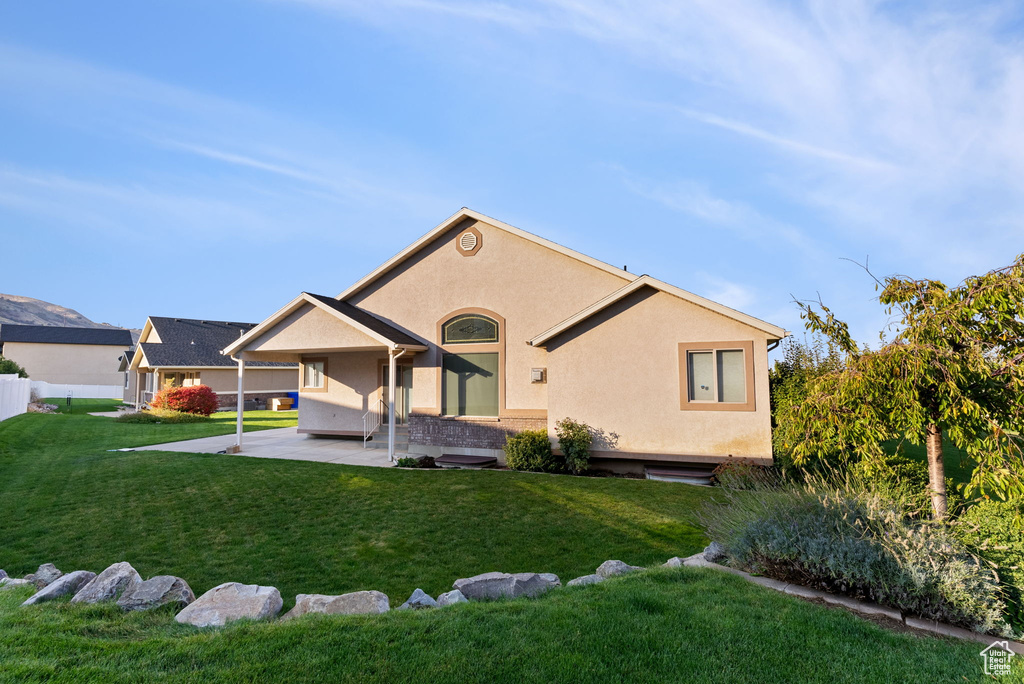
373, 419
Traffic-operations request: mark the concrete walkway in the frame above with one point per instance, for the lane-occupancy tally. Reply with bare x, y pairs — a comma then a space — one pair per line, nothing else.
287, 444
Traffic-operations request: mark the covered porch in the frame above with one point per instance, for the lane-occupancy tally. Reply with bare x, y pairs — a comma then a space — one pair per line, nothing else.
352, 367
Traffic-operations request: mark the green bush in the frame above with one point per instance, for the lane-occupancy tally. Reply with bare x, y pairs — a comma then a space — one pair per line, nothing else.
840, 538
899, 477
9, 367
995, 531
574, 440
530, 450
161, 416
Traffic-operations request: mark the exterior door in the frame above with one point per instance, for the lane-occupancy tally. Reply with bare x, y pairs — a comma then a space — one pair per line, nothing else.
403, 394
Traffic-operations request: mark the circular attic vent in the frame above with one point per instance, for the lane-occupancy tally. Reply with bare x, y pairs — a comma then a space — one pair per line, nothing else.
469, 242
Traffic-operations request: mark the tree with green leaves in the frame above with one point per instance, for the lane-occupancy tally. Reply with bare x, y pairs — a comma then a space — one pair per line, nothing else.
9, 367
954, 367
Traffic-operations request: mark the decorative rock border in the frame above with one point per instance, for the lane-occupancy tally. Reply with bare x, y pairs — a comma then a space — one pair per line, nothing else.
234, 601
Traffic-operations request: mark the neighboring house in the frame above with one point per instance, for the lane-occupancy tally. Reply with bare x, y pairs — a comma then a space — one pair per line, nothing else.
480, 329
71, 356
182, 352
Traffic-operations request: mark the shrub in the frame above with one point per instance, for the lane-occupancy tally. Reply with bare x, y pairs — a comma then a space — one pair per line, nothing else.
161, 416
995, 531
530, 450
9, 367
198, 399
574, 440
840, 538
904, 479
740, 473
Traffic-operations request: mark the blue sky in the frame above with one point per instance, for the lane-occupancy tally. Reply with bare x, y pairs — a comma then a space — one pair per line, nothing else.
213, 159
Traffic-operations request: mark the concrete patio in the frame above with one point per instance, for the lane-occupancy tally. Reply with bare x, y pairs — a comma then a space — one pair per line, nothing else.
284, 443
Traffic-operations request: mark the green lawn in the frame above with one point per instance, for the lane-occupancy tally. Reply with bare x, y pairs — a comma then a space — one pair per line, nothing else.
958, 465
320, 528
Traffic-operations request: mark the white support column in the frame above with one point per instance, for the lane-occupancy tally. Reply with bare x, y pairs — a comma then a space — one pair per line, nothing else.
240, 402
138, 389
392, 386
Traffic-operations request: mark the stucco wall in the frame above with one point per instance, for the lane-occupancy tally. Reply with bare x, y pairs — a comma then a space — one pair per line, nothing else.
619, 372
72, 364
530, 286
352, 386
308, 329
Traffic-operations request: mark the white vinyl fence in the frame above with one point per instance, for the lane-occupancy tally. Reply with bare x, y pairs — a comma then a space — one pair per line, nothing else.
15, 393
45, 390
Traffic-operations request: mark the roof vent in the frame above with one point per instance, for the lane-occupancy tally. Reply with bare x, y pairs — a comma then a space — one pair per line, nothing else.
469, 241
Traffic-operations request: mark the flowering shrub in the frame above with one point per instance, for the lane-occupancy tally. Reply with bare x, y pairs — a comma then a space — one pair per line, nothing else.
841, 538
198, 399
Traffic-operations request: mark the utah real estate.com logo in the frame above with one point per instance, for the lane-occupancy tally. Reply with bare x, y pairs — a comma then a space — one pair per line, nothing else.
997, 659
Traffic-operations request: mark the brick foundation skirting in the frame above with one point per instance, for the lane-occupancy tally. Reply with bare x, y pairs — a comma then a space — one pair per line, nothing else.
436, 431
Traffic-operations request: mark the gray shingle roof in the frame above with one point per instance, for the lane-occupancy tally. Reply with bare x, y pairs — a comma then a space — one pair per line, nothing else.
51, 334
194, 343
365, 318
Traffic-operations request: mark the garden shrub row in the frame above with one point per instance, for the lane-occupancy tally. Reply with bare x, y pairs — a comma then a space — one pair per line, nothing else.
531, 449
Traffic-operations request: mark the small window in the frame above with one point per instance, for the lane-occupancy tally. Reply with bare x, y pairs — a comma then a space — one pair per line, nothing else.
470, 329
314, 374
717, 376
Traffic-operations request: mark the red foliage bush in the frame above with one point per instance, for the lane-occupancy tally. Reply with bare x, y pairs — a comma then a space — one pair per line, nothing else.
197, 399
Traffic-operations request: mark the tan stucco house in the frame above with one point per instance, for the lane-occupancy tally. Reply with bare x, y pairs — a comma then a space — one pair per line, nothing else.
480, 329
182, 352
66, 355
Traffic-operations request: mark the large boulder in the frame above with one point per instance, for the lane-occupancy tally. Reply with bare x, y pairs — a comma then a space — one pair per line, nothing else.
610, 568
3, 575
714, 553
418, 601
493, 585
585, 580
46, 574
155, 592
11, 583
356, 603
62, 586
231, 601
451, 598
109, 584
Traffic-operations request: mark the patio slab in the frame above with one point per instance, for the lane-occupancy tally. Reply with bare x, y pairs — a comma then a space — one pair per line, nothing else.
286, 444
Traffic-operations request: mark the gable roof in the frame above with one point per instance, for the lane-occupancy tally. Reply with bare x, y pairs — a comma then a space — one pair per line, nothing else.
773, 331
51, 334
465, 213
364, 321
193, 343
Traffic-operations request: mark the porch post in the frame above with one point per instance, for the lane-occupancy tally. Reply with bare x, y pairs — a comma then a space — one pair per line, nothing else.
138, 389
392, 386
240, 402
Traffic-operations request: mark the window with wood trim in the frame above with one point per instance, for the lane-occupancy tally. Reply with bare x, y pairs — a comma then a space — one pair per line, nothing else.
716, 376
314, 375
470, 329
471, 381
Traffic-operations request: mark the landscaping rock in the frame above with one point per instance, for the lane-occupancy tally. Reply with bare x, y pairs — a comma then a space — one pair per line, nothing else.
418, 601
675, 562
452, 597
489, 585
533, 584
109, 584
231, 601
155, 592
356, 603
62, 586
715, 553
585, 580
610, 568
46, 574
493, 585
11, 583
695, 561
3, 575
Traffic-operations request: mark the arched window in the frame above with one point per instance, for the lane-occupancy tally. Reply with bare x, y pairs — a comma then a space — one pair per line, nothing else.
469, 328
471, 378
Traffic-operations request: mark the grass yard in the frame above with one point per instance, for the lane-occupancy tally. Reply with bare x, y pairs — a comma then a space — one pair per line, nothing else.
321, 528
